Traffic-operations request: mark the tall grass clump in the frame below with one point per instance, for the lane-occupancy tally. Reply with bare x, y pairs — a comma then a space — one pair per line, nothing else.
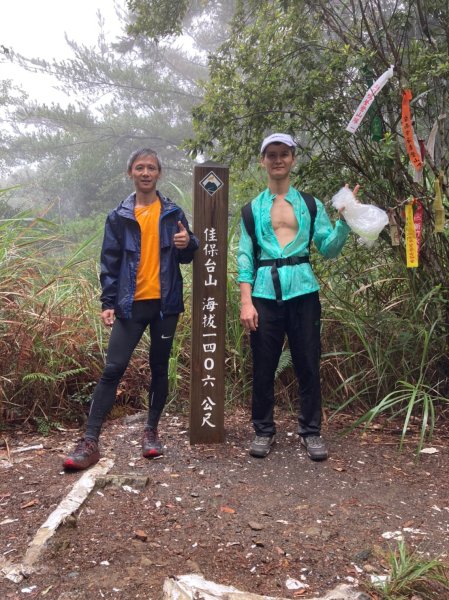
411, 576
49, 352
385, 337
238, 354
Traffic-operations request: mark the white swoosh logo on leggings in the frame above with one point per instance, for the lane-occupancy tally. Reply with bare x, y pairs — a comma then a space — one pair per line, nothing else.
166, 337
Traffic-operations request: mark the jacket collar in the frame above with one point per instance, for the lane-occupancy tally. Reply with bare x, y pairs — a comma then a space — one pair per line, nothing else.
126, 207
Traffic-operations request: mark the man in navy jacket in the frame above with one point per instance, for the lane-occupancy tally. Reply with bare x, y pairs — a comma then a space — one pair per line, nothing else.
146, 238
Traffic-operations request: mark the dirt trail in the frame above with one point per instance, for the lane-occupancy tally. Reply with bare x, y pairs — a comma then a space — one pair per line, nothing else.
257, 525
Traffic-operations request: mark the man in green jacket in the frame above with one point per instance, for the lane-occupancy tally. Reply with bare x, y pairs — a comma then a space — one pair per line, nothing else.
279, 294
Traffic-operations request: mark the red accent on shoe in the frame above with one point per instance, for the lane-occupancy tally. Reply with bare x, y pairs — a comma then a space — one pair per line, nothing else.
151, 444
84, 455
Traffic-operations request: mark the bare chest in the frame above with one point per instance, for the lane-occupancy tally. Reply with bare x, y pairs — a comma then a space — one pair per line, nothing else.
283, 216
283, 220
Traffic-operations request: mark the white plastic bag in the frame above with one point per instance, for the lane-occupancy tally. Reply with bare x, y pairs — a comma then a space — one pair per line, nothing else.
364, 219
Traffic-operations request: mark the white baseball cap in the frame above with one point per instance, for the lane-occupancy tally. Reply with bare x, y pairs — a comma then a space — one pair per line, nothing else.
284, 138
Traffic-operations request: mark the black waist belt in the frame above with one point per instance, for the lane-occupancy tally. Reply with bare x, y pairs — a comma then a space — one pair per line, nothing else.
275, 264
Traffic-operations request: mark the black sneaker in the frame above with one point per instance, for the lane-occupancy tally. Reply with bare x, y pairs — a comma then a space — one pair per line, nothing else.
151, 444
261, 446
315, 446
84, 455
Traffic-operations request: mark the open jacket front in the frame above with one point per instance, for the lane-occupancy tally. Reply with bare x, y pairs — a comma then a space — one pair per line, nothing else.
120, 256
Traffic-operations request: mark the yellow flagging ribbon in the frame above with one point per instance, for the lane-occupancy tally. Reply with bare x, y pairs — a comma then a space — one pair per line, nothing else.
411, 241
438, 208
407, 130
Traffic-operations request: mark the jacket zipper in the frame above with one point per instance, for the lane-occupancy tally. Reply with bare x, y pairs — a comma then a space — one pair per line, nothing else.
162, 216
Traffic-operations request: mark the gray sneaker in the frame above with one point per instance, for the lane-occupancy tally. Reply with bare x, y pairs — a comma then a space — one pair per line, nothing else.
261, 446
151, 444
315, 446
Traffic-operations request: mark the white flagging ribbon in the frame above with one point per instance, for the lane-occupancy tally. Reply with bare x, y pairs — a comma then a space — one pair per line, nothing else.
368, 100
430, 145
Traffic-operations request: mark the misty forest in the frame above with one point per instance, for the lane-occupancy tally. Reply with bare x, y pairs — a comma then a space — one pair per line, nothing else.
206, 80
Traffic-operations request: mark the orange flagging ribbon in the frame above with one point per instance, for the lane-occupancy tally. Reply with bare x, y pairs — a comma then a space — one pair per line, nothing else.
407, 130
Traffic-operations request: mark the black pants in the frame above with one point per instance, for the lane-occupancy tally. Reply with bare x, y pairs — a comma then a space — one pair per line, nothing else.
299, 318
125, 336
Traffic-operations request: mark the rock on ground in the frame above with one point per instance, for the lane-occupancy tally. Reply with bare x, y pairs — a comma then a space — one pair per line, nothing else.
191, 586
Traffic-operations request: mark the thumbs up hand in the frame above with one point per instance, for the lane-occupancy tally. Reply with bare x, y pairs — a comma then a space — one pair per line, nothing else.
182, 238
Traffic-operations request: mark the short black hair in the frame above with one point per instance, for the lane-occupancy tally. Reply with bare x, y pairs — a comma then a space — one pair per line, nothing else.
143, 152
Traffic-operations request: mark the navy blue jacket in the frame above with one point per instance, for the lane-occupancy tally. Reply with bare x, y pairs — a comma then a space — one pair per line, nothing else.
120, 256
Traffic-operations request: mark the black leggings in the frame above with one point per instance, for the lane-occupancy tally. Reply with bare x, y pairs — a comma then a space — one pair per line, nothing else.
125, 336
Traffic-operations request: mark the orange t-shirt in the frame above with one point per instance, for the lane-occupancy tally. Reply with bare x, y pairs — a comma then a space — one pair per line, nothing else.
148, 285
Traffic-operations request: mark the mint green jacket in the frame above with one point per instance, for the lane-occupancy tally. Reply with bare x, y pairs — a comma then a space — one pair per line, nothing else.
295, 280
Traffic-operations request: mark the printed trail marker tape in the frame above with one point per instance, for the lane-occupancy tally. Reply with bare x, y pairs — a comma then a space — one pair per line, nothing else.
368, 99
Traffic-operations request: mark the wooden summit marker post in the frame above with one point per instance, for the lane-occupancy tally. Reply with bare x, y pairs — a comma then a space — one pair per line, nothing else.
207, 389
